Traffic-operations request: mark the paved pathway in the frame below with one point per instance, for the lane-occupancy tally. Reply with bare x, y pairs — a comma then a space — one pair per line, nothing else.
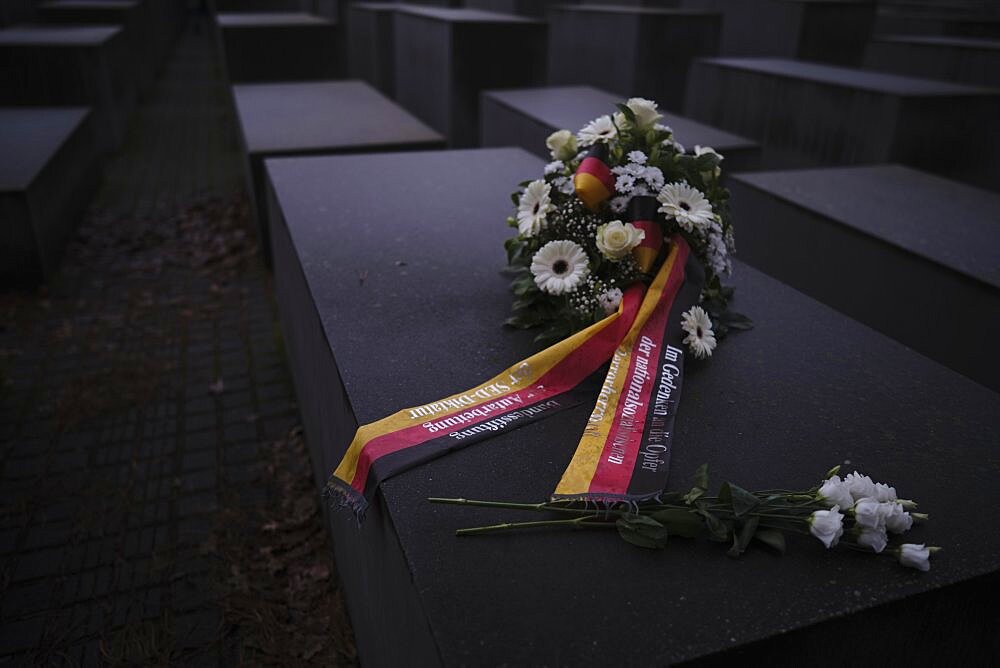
156, 504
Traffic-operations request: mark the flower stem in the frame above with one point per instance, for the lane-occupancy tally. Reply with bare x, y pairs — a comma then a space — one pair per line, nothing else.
574, 523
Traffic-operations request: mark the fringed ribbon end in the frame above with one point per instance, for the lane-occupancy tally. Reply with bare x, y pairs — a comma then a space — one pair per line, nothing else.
341, 495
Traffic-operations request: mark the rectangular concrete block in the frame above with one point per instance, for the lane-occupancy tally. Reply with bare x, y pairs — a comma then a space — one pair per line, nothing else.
807, 114
973, 60
829, 31
631, 51
49, 171
524, 117
318, 117
70, 65
870, 242
133, 17
387, 273
446, 57
372, 44
279, 46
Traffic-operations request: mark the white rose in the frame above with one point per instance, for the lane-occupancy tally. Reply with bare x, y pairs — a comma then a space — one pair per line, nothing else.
827, 525
884, 492
873, 538
616, 240
915, 556
562, 144
645, 111
836, 493
898, 520
861, 486
705, 150
871, 514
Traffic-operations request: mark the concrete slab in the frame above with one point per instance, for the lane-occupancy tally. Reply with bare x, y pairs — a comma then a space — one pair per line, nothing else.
446, 57
381, 258
829, 31
809, 114
279, 46
869, 241
630, 50
50, 170
526, 116
371, 44
974, 60
70, 65
318, 117
132, 15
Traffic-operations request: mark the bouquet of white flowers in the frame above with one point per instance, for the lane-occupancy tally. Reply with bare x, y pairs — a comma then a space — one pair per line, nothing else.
596, 222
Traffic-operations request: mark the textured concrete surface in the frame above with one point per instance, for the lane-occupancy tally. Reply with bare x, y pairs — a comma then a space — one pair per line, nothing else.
399, 300
973, 60
808, 114
279, 46
870, 241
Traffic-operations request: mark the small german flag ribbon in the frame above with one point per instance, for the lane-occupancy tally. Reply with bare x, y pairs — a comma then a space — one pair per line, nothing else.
641, 212
593, 180
625, 448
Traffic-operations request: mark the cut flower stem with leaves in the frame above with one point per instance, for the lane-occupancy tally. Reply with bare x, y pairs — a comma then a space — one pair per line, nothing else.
738, 517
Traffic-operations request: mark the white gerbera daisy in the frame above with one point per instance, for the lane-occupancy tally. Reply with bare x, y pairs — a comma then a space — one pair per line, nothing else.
686, 205
533, 207
559, 266
597, 131
700, 338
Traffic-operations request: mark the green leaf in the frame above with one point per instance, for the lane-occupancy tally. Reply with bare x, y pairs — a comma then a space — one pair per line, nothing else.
643, 531
717, 529
701, 476
626, 112
734, 320
742, 537
773, 538
741, 500
515, 198
679, 522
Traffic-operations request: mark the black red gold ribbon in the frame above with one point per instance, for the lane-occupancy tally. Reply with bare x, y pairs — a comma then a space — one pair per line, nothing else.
625, 448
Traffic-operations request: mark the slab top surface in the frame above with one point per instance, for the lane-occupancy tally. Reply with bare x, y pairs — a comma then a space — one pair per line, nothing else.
848, 77
290, 117
946, 222
266, 19
572, 107
775, 407
57, 35
983, 43
464, 15
90, 4
635, 10
375, 6
29, 138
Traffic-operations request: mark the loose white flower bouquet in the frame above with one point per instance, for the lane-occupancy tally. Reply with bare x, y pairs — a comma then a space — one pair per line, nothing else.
595, 224
852, 512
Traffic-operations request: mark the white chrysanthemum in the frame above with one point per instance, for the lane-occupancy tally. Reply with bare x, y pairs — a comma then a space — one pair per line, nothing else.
609, 300
646, 114
564, 184
554, 167
625, 184
597, 131
619, 204
700, 337
637, 157
533, 207
686, 205
717, 254
559, 266
654, 177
